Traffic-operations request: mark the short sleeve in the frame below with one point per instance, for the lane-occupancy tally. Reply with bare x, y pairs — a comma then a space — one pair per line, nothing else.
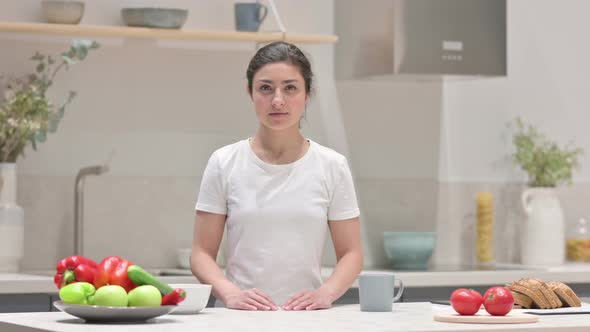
343, 204
212, 197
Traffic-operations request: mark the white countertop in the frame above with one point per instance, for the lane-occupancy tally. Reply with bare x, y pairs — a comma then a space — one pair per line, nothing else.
415, 316
568, 273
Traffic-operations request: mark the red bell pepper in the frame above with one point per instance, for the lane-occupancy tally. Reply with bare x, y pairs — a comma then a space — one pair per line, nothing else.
174, 298
75, 268
113, 271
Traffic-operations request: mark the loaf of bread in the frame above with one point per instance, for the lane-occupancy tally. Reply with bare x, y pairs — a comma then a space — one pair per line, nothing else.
535, 293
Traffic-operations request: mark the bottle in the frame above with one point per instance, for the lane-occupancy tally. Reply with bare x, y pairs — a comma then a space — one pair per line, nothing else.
485, 229
578, 242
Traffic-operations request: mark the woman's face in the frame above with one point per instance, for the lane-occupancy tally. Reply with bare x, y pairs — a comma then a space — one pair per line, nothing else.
278, 92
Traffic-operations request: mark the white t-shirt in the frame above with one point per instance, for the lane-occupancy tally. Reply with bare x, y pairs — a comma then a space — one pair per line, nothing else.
277, 214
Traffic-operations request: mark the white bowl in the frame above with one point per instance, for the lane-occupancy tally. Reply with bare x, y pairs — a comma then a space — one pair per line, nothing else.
63, 12
183, 258
197, 296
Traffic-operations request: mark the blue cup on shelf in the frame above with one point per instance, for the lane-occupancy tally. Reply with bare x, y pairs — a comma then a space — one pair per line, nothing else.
249, 16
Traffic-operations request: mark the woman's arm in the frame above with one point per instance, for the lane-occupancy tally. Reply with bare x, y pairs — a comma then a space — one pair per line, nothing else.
206, 240
346, 236
349, 254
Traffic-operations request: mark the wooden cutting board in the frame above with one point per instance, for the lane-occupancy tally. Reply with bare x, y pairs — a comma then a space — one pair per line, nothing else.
481, 318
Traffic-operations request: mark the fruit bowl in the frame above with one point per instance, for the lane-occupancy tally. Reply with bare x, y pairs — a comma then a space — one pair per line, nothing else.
104, 314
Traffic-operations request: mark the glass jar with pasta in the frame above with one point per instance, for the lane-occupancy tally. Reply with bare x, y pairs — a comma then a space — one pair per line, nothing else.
485, 229
578, 242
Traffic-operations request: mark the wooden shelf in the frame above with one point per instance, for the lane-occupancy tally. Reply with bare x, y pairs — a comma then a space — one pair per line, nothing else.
149, 33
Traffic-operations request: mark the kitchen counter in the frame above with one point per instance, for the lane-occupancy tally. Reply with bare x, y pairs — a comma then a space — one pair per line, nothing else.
42, 281
415, 316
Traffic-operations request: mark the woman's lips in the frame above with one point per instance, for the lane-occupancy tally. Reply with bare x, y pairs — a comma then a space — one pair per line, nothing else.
278, 114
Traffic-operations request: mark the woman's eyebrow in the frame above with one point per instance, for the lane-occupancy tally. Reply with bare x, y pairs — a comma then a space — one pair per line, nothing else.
284, 82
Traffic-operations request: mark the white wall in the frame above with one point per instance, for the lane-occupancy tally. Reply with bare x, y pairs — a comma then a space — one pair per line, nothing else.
547, 84
161, 107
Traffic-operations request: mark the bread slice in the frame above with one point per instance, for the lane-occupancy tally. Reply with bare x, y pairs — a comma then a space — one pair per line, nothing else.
551, 297
522, 300
565, 293
523, 287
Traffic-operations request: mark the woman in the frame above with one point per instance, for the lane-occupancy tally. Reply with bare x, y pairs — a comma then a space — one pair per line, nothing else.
278, 193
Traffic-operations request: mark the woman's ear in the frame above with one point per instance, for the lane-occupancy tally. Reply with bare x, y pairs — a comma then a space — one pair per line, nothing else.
248, 90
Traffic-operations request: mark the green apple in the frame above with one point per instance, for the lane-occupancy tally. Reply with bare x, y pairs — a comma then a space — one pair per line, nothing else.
111, 295
145, 296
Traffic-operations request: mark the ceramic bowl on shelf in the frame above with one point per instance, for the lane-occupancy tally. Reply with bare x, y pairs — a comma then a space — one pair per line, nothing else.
154, 17
63, 12
409, 250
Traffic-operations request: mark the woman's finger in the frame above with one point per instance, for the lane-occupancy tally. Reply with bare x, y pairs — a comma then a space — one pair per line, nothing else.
268, 301
313, 306
295, 298
301, 305
259, 299
246, 306
300, 300
257, 305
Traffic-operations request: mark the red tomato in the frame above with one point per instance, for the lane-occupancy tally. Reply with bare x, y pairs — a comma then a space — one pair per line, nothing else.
498, 301
466, 301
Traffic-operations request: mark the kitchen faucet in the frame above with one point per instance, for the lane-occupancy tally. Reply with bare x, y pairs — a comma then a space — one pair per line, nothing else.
79, 204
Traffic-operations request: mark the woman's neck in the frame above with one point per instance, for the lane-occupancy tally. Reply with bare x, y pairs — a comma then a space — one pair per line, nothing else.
279, 147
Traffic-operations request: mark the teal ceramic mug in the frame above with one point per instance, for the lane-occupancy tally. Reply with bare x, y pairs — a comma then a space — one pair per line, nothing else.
376, 291
249, 16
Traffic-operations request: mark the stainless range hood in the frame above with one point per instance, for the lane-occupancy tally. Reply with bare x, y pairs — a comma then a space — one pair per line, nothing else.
387, 38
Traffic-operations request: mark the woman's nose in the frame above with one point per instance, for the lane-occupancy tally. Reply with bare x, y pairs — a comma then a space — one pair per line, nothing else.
277, 99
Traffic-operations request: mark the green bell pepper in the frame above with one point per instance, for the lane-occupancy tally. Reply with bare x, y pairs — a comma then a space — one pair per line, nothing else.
77, 293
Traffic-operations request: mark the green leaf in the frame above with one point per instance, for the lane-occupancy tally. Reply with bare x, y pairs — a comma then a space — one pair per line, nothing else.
68, 59
37, 56
82, 46
41, 137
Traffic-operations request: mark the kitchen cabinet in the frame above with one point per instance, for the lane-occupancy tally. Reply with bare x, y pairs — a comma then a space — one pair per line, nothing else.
25, 303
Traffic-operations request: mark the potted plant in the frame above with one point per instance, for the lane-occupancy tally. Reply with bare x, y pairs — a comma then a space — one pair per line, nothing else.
26, 116
547, 165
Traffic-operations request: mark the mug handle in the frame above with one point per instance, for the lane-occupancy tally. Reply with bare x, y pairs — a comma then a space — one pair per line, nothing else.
400, 291
264, 12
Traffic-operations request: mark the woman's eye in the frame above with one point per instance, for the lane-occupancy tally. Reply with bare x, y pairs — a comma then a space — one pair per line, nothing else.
290, 88
265, 88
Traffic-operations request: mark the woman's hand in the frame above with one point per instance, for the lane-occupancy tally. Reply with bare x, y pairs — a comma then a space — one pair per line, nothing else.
250, 299
310, 300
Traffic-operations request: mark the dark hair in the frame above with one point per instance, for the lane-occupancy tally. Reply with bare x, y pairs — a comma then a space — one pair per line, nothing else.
280, 52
